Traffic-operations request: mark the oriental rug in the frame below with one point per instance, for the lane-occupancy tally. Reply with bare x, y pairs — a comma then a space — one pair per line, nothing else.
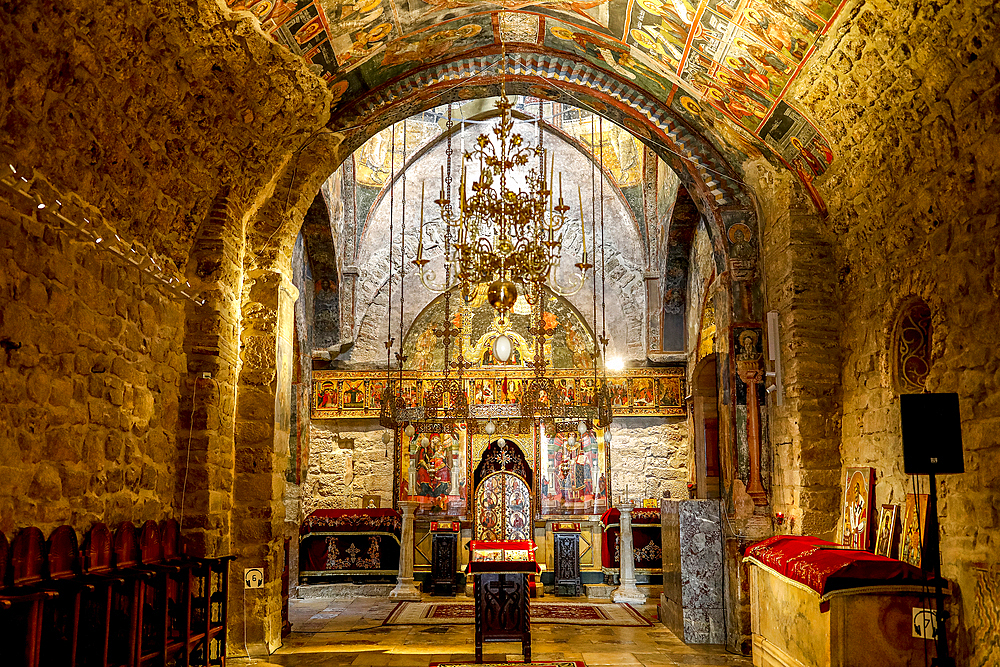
544, 663
463, 613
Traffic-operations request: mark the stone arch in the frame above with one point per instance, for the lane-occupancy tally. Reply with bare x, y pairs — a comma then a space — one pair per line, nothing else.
718, 191
551, 129
623, 260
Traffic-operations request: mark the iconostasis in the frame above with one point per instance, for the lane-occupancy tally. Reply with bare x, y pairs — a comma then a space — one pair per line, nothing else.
569, 471
435, 459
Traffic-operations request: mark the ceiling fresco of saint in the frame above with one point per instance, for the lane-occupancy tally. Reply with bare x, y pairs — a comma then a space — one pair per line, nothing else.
732, 60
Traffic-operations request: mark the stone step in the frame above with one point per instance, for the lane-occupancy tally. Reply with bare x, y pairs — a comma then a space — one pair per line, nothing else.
345, 591
604, 591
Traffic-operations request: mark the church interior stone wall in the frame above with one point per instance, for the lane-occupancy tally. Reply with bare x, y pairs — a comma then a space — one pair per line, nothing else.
201, 142
93, 361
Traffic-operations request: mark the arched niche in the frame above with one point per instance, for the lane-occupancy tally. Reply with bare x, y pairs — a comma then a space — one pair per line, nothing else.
705, 428
570, 345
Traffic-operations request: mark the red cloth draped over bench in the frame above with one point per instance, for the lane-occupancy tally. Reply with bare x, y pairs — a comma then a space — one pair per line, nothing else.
825, 566
646, 540
354, 541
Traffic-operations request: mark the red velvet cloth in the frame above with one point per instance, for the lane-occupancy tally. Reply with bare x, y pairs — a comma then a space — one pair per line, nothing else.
803, 559
354, 520
646, 539
639, 515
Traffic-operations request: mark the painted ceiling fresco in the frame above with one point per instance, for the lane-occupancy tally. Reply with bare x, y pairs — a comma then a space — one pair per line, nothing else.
725, 58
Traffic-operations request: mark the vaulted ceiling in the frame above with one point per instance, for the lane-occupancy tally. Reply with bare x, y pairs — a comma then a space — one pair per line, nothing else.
719, 68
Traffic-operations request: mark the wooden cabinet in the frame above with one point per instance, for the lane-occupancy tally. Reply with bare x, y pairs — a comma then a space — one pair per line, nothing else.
444, 557
566, 557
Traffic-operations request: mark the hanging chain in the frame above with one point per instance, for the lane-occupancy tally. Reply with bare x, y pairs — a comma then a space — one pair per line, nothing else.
389, 340
402, 262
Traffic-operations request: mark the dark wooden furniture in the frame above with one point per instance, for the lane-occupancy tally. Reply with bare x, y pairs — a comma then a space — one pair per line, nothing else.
23, 604
500, 572
197, 599
444, 557
566, 554
62, 616
127, 600
96, 606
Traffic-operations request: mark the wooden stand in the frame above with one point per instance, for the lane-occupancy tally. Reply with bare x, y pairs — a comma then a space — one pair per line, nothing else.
444, 555
502, 613
566, 553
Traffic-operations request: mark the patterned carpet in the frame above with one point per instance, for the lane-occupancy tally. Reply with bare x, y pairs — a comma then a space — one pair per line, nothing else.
461, 613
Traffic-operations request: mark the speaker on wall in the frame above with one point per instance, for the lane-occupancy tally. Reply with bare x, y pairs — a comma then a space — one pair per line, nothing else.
932, 434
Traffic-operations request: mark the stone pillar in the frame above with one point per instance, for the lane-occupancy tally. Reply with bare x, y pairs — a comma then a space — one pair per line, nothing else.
627, 591
405, 590
207, 408
263, 421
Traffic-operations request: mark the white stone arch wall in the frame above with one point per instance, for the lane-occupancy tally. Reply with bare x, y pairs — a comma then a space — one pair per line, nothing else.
624, 286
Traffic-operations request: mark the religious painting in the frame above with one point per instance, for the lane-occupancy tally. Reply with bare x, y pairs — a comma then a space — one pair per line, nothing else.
573, 475
567, 391
427, 45
375, 390
503, 508
432, 465
642, 392
353, 394
509, 390
914, 537
327, 395
887, 536
618, 386
668, 392
791, 35
859, 490
797, 141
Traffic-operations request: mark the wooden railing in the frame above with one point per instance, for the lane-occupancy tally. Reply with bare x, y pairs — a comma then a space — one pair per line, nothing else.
130, 598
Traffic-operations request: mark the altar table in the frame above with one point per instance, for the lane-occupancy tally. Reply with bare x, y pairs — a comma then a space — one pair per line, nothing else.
815, 604
359, 544
646, 541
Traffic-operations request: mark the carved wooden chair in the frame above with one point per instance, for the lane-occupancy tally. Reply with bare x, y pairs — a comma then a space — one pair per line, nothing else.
63, 615
97, 566
23, 599
127, 600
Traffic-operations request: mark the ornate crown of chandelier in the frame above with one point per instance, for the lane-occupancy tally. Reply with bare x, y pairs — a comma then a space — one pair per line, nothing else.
499, 236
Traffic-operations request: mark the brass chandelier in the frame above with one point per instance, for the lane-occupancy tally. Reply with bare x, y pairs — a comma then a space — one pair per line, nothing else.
501, 237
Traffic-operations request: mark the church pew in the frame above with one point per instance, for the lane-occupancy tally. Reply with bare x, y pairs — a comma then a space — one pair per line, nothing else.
131, 599
22, 621
61, 622
97, 567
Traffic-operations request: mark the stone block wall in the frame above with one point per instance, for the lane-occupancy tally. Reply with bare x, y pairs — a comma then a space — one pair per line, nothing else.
89, 373
650, 456
347, 460
910, 95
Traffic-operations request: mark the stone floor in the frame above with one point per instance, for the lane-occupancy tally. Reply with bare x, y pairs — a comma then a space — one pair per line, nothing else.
350, 632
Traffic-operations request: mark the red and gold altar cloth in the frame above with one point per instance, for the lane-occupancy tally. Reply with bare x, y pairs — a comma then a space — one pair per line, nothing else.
647, 541
351, 541
445, 526
826, 567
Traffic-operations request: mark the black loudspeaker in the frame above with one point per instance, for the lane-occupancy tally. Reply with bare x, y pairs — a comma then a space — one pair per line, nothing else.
932, 434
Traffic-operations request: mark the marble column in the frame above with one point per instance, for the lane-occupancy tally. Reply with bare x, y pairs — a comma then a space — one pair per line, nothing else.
405, 590
627, 591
